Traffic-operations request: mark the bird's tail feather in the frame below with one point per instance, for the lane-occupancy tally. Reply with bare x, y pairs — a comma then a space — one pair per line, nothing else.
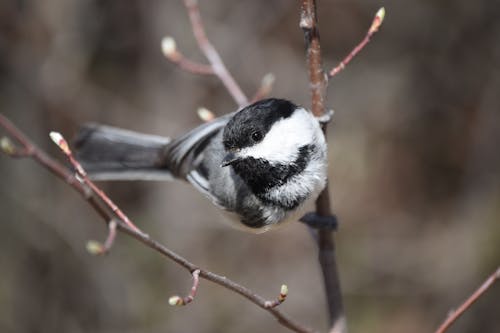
109, 153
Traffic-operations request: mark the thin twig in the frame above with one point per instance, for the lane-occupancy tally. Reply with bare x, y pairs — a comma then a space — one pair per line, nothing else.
223, 281
96, 248
377, 22
82, 176
53, 166
180, 301
266, 85
191, 66
469, 301
108, 243
170, 51
326, 242
212, 55
30, 150
65, 174
281, 297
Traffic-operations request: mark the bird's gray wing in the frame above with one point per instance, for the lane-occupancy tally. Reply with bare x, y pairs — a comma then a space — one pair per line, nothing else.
183, 155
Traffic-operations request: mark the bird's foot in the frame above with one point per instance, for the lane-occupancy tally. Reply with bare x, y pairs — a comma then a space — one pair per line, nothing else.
315, 221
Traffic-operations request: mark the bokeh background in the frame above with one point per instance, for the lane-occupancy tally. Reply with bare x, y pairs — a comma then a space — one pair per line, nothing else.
414, 152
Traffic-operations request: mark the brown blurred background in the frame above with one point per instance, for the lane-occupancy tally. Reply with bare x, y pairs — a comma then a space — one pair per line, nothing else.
414, 151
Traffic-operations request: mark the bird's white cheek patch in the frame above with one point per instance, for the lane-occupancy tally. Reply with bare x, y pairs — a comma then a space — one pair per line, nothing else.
281, 144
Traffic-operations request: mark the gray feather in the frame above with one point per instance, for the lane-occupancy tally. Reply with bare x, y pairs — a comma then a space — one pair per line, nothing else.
183, 154
109, 153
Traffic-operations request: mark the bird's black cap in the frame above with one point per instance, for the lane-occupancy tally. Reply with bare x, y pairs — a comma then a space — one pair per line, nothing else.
250, 125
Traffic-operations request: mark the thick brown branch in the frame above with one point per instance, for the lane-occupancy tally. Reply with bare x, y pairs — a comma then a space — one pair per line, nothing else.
60, 171
317, 78
212, 55
469, 301
326, 243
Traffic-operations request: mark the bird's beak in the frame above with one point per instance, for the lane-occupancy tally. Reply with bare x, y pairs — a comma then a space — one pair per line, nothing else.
228, 159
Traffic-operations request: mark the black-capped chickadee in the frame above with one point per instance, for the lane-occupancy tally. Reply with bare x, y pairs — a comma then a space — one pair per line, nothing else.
261, 164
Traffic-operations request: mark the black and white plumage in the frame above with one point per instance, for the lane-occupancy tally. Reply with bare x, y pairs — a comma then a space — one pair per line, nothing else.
261, 164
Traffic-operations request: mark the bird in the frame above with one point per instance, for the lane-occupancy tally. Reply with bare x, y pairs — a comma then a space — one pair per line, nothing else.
261, 164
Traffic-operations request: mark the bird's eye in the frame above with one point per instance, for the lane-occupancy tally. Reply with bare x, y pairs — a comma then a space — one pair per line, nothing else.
256, 136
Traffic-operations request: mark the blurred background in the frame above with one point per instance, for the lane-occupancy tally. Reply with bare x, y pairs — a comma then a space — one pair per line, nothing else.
414, 152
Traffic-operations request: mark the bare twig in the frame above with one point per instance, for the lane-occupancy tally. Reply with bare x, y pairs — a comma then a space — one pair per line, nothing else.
281, 297
177, 300
212, 55
30, 150
108, 243
170, 51
377, 22
82, 176
96, 248
266, 85
53, 166
454, 315
65, 174
326, 243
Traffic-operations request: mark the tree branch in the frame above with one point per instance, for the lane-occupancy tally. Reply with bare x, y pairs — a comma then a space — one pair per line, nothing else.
326, 242
169, 49
317, 77
96, 248
84, 179
377, 22
281, 297
180, 301
212, 55
454, 315
266, 85
56, 168
110, 214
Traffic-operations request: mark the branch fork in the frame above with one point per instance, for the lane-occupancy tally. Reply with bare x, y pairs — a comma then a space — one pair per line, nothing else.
181, 301
81, 174
281, 298
170, 51
96, 248
216, 66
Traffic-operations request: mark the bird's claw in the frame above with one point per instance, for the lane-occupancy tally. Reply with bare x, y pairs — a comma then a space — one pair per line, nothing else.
315, 221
